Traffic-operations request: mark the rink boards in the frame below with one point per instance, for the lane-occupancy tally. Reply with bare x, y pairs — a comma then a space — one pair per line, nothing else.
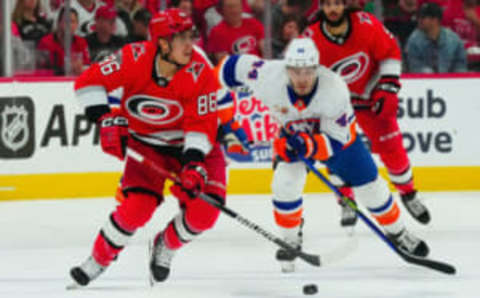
49, 150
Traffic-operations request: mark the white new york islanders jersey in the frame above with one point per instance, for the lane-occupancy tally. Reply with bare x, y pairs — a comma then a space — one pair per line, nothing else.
327, 110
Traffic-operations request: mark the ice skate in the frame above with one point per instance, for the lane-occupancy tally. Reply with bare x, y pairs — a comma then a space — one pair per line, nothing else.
415, 207
85, 273
409, 243
160, 259
287, 258
348, 217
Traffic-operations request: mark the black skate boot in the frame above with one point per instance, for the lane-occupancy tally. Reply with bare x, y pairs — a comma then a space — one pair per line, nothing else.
415, 207
409, 243
160, 258
286, 257
348, 217
86, 272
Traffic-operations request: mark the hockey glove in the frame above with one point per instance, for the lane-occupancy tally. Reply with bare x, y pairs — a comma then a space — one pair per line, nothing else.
113, 134
298, 144
236, 140
193, 176
315, 147
384, 97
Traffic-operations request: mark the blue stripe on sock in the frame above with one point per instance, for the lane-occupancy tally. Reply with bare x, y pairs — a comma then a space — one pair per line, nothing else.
384, 207
287, 206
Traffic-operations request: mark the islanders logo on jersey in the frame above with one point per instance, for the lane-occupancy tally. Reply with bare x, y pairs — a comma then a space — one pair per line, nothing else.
352, 68
244, 45
153, 110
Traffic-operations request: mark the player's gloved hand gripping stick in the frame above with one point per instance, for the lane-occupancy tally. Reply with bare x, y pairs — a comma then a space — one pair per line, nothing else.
309, 258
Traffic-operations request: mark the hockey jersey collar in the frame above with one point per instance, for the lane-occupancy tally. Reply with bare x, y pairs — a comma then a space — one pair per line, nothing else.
301, 101
338, 39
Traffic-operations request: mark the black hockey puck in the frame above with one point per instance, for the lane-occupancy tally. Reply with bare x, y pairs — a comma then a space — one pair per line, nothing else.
310, 289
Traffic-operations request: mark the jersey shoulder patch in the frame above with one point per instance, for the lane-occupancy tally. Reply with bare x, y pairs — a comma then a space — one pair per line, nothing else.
364, 18
195, 69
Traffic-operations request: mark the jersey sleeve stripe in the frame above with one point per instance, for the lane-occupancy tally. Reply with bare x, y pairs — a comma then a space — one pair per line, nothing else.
228, 71
92, 96
390, 67
225, 101
197, 140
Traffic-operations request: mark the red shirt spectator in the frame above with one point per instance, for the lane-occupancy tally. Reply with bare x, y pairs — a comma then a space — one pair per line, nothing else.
455, 18
53, 45
235, 34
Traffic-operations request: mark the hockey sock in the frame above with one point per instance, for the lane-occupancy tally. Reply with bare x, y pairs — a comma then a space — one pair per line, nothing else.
178, 232
288, 216
381, 204
110, 241
399, 170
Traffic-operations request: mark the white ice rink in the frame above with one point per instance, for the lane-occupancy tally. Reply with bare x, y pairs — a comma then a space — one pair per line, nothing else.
41, 240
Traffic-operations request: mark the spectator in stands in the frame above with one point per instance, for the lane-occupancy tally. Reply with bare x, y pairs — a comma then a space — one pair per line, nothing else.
281, 11
53, 46
86, 16
401, 19
462, 17
30, 22
126, 9
50, 8
432, 48
235, 34
184, 5
212, 16
140, 26
257, 8
290, 28
103, 42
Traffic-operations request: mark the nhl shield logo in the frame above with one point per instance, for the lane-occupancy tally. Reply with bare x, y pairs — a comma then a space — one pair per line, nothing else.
16, 127
15, 130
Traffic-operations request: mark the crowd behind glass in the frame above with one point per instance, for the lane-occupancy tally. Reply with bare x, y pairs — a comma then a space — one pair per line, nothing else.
445, 29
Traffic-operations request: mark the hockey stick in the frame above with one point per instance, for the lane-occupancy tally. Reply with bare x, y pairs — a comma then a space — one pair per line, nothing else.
432, 264
309, 258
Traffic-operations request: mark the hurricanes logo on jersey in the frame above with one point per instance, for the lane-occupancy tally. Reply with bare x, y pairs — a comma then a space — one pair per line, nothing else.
244, 45
153, 110
352, 67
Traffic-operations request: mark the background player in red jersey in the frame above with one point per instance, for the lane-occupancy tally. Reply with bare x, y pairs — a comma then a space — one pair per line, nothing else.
358, 47
168, 115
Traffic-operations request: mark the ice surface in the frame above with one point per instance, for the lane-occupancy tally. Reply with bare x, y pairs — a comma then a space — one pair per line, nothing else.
41, 240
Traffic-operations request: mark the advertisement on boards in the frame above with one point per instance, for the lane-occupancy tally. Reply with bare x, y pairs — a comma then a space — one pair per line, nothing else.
43, 128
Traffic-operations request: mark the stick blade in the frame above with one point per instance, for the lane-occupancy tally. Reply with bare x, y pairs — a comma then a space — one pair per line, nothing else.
429, 263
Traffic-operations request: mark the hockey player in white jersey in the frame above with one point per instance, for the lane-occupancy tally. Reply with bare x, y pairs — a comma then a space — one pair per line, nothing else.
312, 105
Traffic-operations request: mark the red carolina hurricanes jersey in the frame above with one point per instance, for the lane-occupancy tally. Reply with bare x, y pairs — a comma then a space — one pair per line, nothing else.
366, 52
180, 113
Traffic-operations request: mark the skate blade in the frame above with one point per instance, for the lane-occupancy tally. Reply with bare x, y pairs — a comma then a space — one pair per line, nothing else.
73, 286
151, 281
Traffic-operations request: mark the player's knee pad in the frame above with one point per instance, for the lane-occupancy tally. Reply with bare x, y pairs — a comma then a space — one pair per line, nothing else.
288, 181
373, 194
200, 215
137, 209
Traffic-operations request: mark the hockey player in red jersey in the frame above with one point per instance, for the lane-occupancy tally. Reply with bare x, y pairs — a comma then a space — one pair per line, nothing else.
168, 115
359, 48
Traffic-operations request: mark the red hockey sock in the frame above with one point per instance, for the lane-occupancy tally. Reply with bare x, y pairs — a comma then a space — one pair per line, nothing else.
103, 252
399, 170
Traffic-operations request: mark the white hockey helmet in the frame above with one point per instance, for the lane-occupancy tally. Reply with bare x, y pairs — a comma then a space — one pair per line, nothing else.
302, 52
